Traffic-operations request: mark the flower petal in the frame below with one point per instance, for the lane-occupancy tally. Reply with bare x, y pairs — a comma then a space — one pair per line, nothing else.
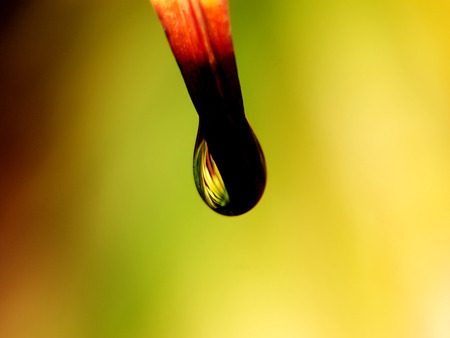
199, 34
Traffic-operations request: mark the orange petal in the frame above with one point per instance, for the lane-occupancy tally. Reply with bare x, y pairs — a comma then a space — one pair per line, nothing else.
199, 34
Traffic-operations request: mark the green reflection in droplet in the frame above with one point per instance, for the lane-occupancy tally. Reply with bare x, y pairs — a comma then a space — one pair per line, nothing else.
208, 180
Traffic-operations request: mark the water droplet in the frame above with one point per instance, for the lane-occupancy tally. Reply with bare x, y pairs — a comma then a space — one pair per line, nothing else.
229, 165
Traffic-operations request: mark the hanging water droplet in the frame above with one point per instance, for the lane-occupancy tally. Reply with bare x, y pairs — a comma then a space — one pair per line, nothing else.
229, 165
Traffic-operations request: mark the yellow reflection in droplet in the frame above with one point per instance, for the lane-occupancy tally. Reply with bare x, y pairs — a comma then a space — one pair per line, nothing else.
208, 180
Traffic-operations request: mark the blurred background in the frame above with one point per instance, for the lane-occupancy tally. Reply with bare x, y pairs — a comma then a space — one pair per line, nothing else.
103, 234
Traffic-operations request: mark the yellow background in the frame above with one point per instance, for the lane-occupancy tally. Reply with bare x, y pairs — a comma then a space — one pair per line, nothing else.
102, 233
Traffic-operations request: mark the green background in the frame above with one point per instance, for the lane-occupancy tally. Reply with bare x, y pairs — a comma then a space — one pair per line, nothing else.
102, 232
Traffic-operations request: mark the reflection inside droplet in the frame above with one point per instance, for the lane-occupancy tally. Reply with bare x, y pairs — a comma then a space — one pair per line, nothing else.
208, 180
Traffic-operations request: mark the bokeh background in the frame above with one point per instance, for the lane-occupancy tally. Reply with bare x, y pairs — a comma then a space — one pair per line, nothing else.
102, 233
